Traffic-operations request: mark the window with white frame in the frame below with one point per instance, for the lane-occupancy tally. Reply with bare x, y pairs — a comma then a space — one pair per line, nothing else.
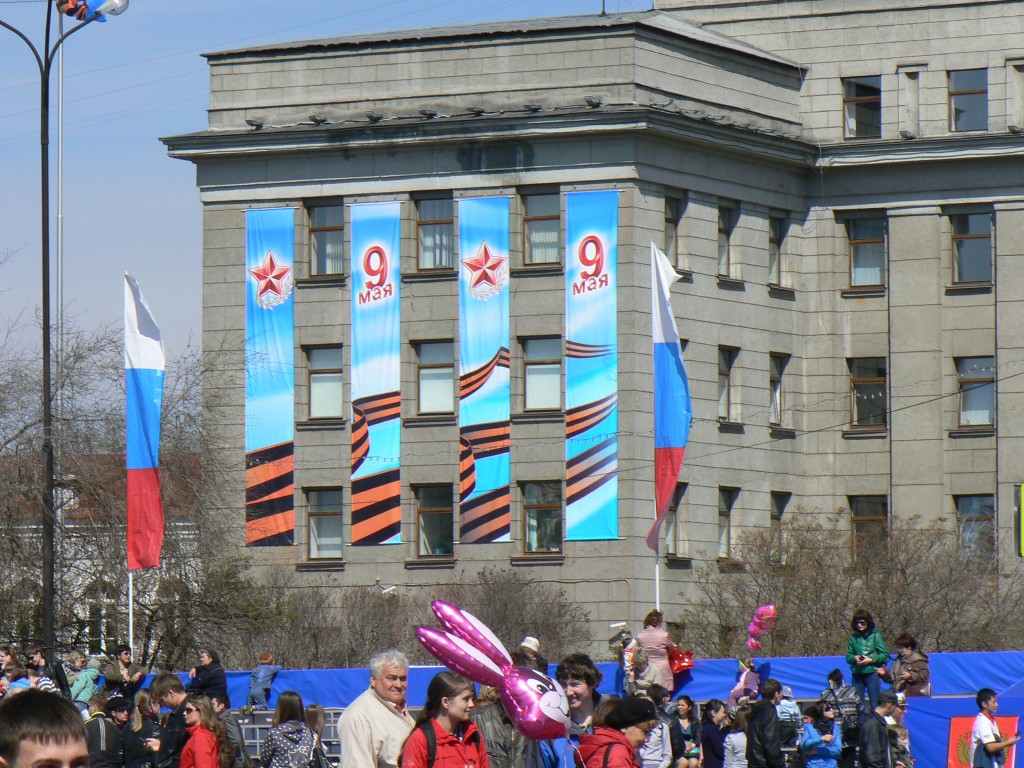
541, 227
324, 517
676, 522
870, 521
869, 402
726, 224
435, 232
976, 378
968, 100
673, 220
867, 252
435, 520
777, 367
542, 363
326, 239
976, 524
325, 382
862, 107
728, 407
435, 376
726, 502
542, 515
776, 234
972, 247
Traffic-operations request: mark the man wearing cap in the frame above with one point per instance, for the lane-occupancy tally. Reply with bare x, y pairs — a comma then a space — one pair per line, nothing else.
791, 719
41, 729
615, 744
874, 735
103, 737
531, 647
764, 747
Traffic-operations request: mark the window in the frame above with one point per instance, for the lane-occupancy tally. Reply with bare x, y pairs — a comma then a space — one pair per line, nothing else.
543, 373
435, 230
325, 383
975, 520
862, 107
726, 360
541, 225
776, 234
542, 512
777, 366
327, 239
779, 502
870, 524
726, 501
676, 524
436, 520
436, 376
868, 398
972, 247
867, 252
673, 218
325, 520
968, 100
726, 223
976, 377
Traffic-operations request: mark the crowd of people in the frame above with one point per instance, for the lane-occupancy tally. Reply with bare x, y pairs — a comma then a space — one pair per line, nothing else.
757, 724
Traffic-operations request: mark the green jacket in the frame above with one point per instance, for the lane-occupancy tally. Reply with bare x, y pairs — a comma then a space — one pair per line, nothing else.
870, 644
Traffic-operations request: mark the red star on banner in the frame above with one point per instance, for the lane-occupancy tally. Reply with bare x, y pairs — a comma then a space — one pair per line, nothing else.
269, 276
485, 268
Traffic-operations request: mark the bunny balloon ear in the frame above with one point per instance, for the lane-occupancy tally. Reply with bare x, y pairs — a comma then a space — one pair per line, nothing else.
472, 630
459, 656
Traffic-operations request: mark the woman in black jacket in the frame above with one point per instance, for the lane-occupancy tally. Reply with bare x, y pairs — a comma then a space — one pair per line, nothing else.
209, 678
712, 737
144, 724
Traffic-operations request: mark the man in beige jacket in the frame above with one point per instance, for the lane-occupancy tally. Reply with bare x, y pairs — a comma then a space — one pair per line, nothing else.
375, 725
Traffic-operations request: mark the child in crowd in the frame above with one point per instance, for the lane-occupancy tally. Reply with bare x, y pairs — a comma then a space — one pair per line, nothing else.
260, 681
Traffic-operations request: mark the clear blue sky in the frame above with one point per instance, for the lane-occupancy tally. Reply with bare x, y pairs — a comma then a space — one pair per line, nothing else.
129, 81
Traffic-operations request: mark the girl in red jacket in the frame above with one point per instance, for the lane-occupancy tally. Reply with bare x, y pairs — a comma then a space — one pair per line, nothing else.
207, 745
443, 728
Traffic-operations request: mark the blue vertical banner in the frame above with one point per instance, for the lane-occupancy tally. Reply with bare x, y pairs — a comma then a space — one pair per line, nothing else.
270, 377
591, 365
484, 393
376, 374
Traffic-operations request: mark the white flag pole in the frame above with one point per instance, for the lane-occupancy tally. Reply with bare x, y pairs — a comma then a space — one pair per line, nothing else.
131, 610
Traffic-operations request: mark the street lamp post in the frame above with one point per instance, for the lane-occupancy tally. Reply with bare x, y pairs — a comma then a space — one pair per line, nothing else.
45, 60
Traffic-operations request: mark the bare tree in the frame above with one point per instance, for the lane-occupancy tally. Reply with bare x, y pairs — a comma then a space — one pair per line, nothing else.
916, 577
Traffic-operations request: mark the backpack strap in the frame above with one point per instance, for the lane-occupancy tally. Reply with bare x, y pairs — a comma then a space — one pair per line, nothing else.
607, 755
431, 736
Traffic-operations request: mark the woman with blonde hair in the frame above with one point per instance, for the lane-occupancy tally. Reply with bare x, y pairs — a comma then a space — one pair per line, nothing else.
144, 724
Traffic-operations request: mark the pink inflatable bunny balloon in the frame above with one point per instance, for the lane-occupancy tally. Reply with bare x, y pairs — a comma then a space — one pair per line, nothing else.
535, 703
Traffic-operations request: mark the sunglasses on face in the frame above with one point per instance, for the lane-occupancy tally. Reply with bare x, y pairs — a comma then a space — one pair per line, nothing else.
190, 710
828, 708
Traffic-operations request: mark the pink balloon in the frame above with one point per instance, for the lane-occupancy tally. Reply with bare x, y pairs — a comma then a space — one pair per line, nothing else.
536, 704
753, 645
755, 628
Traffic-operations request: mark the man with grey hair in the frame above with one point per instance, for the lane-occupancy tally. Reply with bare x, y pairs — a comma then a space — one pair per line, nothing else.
375, 725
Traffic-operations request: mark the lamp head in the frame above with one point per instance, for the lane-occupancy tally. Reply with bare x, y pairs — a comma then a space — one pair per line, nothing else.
112, 8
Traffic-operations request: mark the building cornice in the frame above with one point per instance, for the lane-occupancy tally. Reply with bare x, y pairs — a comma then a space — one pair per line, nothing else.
927, 150
719, 132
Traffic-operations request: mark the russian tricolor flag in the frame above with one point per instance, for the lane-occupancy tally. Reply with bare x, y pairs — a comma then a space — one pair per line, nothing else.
672, 409
144, 387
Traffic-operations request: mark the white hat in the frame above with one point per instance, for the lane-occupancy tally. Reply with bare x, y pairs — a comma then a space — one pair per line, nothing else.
531, 644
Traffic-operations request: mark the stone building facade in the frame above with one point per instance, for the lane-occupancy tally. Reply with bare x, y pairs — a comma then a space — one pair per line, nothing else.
838, 183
